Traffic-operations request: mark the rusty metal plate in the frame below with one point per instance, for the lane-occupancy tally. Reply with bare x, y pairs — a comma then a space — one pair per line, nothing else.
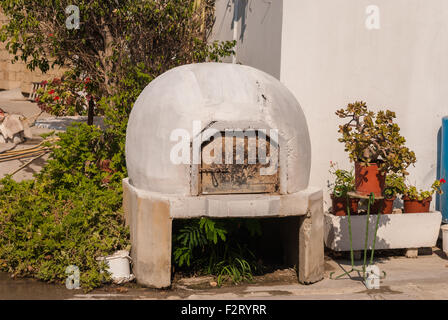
236, 171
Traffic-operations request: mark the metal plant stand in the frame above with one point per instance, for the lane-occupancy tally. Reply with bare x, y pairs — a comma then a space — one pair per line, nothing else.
371, 198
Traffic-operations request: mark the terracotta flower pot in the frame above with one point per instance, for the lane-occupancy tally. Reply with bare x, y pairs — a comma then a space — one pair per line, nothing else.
416, 206
340, 205
368, 179
388, 205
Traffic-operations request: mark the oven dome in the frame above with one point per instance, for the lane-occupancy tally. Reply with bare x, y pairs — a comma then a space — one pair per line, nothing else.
211, 93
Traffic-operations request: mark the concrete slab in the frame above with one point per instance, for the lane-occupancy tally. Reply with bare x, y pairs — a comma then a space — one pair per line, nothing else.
232, 205
395, 231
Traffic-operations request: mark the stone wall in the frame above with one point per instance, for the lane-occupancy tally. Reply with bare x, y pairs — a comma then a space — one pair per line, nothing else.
17, 75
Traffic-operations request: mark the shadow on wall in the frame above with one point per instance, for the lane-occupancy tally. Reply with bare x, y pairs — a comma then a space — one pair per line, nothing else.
358, 227
239, 14
241, 8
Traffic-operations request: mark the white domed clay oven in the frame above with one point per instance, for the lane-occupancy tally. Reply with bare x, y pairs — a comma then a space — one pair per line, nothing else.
218, 140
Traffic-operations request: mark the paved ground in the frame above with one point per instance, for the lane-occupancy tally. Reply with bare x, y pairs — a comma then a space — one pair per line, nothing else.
423, 278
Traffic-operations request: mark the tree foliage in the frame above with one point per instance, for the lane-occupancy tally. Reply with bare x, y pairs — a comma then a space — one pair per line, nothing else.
217, 246
113, 36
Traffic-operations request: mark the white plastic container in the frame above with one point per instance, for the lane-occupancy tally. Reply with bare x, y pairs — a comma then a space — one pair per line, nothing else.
445, 237
119, 267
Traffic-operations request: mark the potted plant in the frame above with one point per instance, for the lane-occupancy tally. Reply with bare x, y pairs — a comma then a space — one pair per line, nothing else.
374, 143
344, 182
395, 185
419, 201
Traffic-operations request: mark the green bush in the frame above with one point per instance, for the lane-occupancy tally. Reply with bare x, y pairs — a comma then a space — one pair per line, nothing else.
71, 213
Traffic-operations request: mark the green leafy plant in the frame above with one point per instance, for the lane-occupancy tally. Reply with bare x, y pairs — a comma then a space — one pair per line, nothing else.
112, 36
371, 137
70, 215
395, 185
191, 236
237, 271
412, 193
344, 181
214, 247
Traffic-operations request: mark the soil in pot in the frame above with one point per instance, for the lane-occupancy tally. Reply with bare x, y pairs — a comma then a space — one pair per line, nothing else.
368, 179
416, 206
340, 205
376, 206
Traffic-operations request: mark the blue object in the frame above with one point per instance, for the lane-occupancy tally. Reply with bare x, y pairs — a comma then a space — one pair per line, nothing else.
444, 170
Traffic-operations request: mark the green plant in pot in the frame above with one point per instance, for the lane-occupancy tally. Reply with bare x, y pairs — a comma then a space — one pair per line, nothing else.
416, 201
374, 143
395, 185
344, 182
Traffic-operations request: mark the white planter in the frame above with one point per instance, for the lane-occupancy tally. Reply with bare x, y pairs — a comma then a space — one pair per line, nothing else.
119, 266
445, 238
395, 231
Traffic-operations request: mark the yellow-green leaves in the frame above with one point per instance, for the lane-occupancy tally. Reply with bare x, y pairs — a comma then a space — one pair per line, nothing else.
374, 137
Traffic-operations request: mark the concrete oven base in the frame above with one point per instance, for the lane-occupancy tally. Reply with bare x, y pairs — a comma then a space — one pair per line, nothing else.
149, 216
395, 231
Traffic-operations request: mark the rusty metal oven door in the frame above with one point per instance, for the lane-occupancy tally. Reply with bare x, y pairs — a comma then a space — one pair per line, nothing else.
239, 164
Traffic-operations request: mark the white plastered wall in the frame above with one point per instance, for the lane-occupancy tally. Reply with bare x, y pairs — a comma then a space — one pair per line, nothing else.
329, 58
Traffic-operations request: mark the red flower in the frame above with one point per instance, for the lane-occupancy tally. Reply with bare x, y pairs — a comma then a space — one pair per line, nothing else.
50, 34
87, 80
51, 91
56, 98
37, 99
44, 83
442, 180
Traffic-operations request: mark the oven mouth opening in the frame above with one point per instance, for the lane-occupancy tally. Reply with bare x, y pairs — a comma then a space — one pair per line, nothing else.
239, 164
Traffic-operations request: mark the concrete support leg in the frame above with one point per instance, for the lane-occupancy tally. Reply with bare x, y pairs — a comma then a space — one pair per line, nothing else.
311, 242
151, 227
128, 200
